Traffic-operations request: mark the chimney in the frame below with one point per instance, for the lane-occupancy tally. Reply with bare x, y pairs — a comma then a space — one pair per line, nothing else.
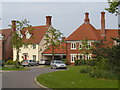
86, 20
48, 20
13, 25
103, 24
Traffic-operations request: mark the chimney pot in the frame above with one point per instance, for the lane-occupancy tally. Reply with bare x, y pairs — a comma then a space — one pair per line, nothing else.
48, 20
13, 25
86, 20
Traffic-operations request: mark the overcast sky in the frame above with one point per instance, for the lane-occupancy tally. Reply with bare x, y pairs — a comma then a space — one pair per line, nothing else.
66, 16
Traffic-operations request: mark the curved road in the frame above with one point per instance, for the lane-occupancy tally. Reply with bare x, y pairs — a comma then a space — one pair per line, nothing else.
23, 79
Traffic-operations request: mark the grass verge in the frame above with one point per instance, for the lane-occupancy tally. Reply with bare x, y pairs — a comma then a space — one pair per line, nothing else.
72, 78
13, 68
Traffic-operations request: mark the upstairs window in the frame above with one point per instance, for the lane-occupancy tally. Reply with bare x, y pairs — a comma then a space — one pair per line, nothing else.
73, 45
89, 44
80, 45
34, 46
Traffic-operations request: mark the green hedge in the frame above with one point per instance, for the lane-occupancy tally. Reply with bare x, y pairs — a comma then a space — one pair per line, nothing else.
85, 62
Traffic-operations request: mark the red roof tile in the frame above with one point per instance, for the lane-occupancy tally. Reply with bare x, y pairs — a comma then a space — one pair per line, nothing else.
86, 30
37, 34
6, 33
60, 50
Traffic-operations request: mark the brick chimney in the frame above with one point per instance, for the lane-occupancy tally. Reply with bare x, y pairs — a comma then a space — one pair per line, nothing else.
48, 20
102, 24
86, 20
13, 25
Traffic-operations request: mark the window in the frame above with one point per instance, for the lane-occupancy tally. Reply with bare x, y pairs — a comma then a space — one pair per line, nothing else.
34, 57
73, 45
80, 56
80, 45
34, 46
88, 57
73, 57
116, 43
89, 44
28, 35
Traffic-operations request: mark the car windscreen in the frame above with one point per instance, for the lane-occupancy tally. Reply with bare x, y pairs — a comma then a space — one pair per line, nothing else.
59, 62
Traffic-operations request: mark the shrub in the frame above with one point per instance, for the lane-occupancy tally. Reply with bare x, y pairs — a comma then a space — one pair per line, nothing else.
90, 62
85, 70
105, 74
9, 62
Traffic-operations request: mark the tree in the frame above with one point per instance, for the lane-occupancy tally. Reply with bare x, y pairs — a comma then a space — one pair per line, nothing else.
16, 40
113, 7
53, 38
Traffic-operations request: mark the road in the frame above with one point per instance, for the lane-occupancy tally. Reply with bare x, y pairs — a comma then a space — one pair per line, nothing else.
23, 79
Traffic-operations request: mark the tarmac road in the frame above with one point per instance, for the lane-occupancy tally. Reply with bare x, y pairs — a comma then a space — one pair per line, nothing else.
23, 79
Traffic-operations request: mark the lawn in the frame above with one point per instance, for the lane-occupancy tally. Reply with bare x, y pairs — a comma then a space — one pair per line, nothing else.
72, 78
13, 68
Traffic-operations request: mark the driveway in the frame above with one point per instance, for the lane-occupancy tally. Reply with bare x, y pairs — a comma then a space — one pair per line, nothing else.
23, 79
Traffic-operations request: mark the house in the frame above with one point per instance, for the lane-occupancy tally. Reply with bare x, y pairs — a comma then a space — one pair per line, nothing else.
87, 30
6, 51
35, 36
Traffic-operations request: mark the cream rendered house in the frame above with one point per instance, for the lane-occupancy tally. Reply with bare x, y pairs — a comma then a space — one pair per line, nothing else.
36, 37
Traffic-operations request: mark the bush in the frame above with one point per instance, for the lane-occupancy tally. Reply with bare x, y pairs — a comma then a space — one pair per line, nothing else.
105, 74
9, 62
90, 62
85, 70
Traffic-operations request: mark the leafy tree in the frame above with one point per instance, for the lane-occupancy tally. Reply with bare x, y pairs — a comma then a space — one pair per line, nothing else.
85, 48
16, 40
53, 38
113, 7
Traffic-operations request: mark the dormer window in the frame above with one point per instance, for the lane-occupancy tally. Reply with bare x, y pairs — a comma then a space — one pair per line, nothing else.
28, 35
19, 33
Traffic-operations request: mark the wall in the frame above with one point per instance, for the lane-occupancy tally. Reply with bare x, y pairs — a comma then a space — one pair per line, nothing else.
28, 50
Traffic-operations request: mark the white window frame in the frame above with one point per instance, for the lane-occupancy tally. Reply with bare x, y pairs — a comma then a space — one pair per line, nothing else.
73, 45
34, 46
80, 44
116, 43
35, 57
73, 57
79, 56
89, 43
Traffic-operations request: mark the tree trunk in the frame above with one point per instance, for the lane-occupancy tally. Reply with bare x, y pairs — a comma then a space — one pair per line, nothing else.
17, 59
52, 52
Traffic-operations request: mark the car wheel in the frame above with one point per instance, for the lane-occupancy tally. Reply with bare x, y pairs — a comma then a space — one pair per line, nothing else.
28, 65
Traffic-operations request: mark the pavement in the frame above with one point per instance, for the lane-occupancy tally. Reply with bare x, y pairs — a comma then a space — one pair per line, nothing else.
24, 79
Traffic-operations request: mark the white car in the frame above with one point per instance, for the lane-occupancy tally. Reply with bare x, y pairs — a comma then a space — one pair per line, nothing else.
57, 64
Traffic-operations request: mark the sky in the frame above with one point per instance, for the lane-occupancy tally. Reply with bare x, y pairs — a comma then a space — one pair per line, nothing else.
66, 16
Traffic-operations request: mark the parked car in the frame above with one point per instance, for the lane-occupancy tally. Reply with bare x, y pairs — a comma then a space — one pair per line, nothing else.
57, 64
2, 62
44, 62
29, 63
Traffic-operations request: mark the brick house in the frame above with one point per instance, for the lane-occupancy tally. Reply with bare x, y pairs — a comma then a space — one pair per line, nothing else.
87, 30
5, 44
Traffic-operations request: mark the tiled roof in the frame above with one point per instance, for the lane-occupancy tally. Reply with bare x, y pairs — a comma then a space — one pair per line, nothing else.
60, 50
6, 33
37, 34
86, 30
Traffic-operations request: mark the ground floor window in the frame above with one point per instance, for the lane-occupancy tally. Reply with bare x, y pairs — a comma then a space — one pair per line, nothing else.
34, 57
73, 57
80, 56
